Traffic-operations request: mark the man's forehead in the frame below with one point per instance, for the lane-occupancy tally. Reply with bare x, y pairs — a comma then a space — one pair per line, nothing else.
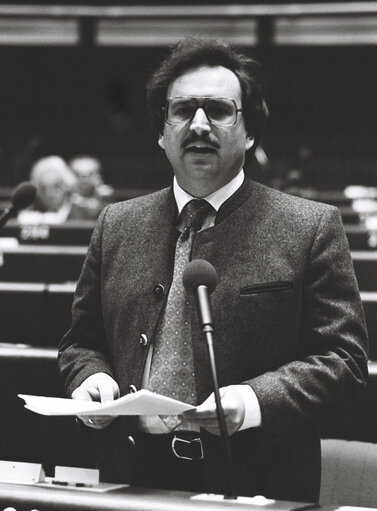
206, 81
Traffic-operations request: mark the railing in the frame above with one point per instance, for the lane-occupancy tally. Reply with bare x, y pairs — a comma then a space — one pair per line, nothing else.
190, 11
313, 23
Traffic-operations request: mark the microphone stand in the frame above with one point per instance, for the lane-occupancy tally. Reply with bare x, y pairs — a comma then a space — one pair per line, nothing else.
4, 217
207, 329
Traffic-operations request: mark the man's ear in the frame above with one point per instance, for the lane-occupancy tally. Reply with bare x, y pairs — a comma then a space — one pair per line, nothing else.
249, 143
161, 141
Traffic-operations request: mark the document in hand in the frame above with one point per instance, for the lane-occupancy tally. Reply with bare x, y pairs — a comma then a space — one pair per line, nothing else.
143, 402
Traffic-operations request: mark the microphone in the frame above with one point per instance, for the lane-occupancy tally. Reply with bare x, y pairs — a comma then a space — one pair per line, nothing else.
200, 278
22, 197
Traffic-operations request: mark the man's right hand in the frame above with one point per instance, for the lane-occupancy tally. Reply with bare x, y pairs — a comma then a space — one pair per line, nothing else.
97, 387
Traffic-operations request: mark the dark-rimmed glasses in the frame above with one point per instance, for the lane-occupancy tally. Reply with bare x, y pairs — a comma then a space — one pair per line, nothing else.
219, 111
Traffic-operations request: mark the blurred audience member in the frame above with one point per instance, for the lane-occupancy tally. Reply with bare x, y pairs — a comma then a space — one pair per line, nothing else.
298, 175
92, 194
55, 184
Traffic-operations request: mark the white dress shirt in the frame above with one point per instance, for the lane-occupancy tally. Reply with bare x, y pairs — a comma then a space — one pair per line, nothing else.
253, 417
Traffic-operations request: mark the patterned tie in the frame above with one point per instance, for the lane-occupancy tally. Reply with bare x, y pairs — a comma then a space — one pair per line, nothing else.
172, 368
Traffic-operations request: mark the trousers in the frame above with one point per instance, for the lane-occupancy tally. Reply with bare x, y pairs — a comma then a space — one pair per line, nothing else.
156, 465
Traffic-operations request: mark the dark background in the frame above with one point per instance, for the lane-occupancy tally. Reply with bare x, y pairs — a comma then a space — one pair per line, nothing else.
69, 100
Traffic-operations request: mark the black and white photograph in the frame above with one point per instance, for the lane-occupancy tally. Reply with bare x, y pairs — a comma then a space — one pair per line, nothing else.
188, 255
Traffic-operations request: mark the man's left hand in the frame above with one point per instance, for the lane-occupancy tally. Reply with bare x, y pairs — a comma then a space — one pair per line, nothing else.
205, 414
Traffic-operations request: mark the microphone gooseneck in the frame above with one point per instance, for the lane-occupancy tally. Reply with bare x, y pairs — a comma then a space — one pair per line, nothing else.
200, 278
22, 197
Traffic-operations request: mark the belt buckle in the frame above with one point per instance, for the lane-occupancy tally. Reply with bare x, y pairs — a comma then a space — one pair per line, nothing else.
176, 441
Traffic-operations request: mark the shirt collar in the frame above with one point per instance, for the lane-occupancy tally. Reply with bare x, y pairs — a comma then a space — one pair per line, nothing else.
216, 198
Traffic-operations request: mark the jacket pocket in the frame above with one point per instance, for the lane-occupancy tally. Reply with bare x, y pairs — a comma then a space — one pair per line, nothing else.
266, 287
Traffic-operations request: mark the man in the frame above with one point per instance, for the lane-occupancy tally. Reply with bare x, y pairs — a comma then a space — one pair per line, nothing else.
290, 337
55, 184
92, 194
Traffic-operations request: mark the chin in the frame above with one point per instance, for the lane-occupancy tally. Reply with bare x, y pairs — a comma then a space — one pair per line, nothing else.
199, 166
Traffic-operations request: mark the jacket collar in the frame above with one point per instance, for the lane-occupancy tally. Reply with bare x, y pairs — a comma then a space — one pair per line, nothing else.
235, 201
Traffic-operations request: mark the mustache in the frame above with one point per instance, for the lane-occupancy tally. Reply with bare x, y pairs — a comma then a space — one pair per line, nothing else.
206, 138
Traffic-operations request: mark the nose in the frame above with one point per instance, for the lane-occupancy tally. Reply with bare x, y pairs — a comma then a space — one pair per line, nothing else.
200, 123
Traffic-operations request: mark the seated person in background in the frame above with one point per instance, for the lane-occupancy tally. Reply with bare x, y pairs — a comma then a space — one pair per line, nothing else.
92, 194
55, 184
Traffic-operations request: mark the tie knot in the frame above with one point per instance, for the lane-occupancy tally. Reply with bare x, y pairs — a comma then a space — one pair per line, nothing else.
194, 213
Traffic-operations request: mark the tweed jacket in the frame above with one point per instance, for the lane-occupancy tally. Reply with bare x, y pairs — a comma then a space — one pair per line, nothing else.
287, 314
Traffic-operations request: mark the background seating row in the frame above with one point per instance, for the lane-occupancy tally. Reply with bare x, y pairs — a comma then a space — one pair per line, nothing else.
39, 314
79, 233
54, 263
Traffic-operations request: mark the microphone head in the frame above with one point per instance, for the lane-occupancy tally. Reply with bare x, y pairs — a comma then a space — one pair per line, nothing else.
23, 196
199, 273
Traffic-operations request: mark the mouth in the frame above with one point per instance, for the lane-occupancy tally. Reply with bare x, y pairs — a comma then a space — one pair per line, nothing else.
199, 148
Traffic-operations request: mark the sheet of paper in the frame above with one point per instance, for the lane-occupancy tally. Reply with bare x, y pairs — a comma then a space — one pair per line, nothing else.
142, 402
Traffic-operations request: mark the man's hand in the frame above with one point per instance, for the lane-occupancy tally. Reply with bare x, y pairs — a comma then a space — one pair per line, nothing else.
97, 387
234, 411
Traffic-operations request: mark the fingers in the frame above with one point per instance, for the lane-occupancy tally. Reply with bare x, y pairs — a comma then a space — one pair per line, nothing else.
97, 387
108, 388
205, 415
85, 394
97, 421
207, 410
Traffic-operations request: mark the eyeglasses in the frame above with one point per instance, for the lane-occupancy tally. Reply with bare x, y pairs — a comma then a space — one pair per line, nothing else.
219, 111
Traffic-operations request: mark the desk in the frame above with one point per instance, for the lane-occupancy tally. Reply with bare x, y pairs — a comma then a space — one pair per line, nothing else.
36, 313
120, 194
24, 498
27, 436
359, 238
41, 263
349, 215
73, 232
334, 197
79, 233
365, 264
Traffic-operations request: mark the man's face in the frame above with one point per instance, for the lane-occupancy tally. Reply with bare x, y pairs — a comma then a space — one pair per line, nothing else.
205, 157
52, 192
88, 175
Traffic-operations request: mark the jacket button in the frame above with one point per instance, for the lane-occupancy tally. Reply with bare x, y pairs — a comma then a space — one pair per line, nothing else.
143, 340
131, 441
159, 290
132, 389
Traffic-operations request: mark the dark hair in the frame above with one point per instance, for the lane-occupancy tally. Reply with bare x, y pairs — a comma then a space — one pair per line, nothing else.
192, 53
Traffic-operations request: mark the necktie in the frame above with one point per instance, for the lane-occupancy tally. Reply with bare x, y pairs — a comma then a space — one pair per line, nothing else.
172, 368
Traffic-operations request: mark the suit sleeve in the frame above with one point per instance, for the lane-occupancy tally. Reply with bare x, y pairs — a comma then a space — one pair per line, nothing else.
332, 365
83, 349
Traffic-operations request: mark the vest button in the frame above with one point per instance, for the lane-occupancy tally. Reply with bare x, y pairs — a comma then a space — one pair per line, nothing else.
159, 290
132, 389
143, 340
